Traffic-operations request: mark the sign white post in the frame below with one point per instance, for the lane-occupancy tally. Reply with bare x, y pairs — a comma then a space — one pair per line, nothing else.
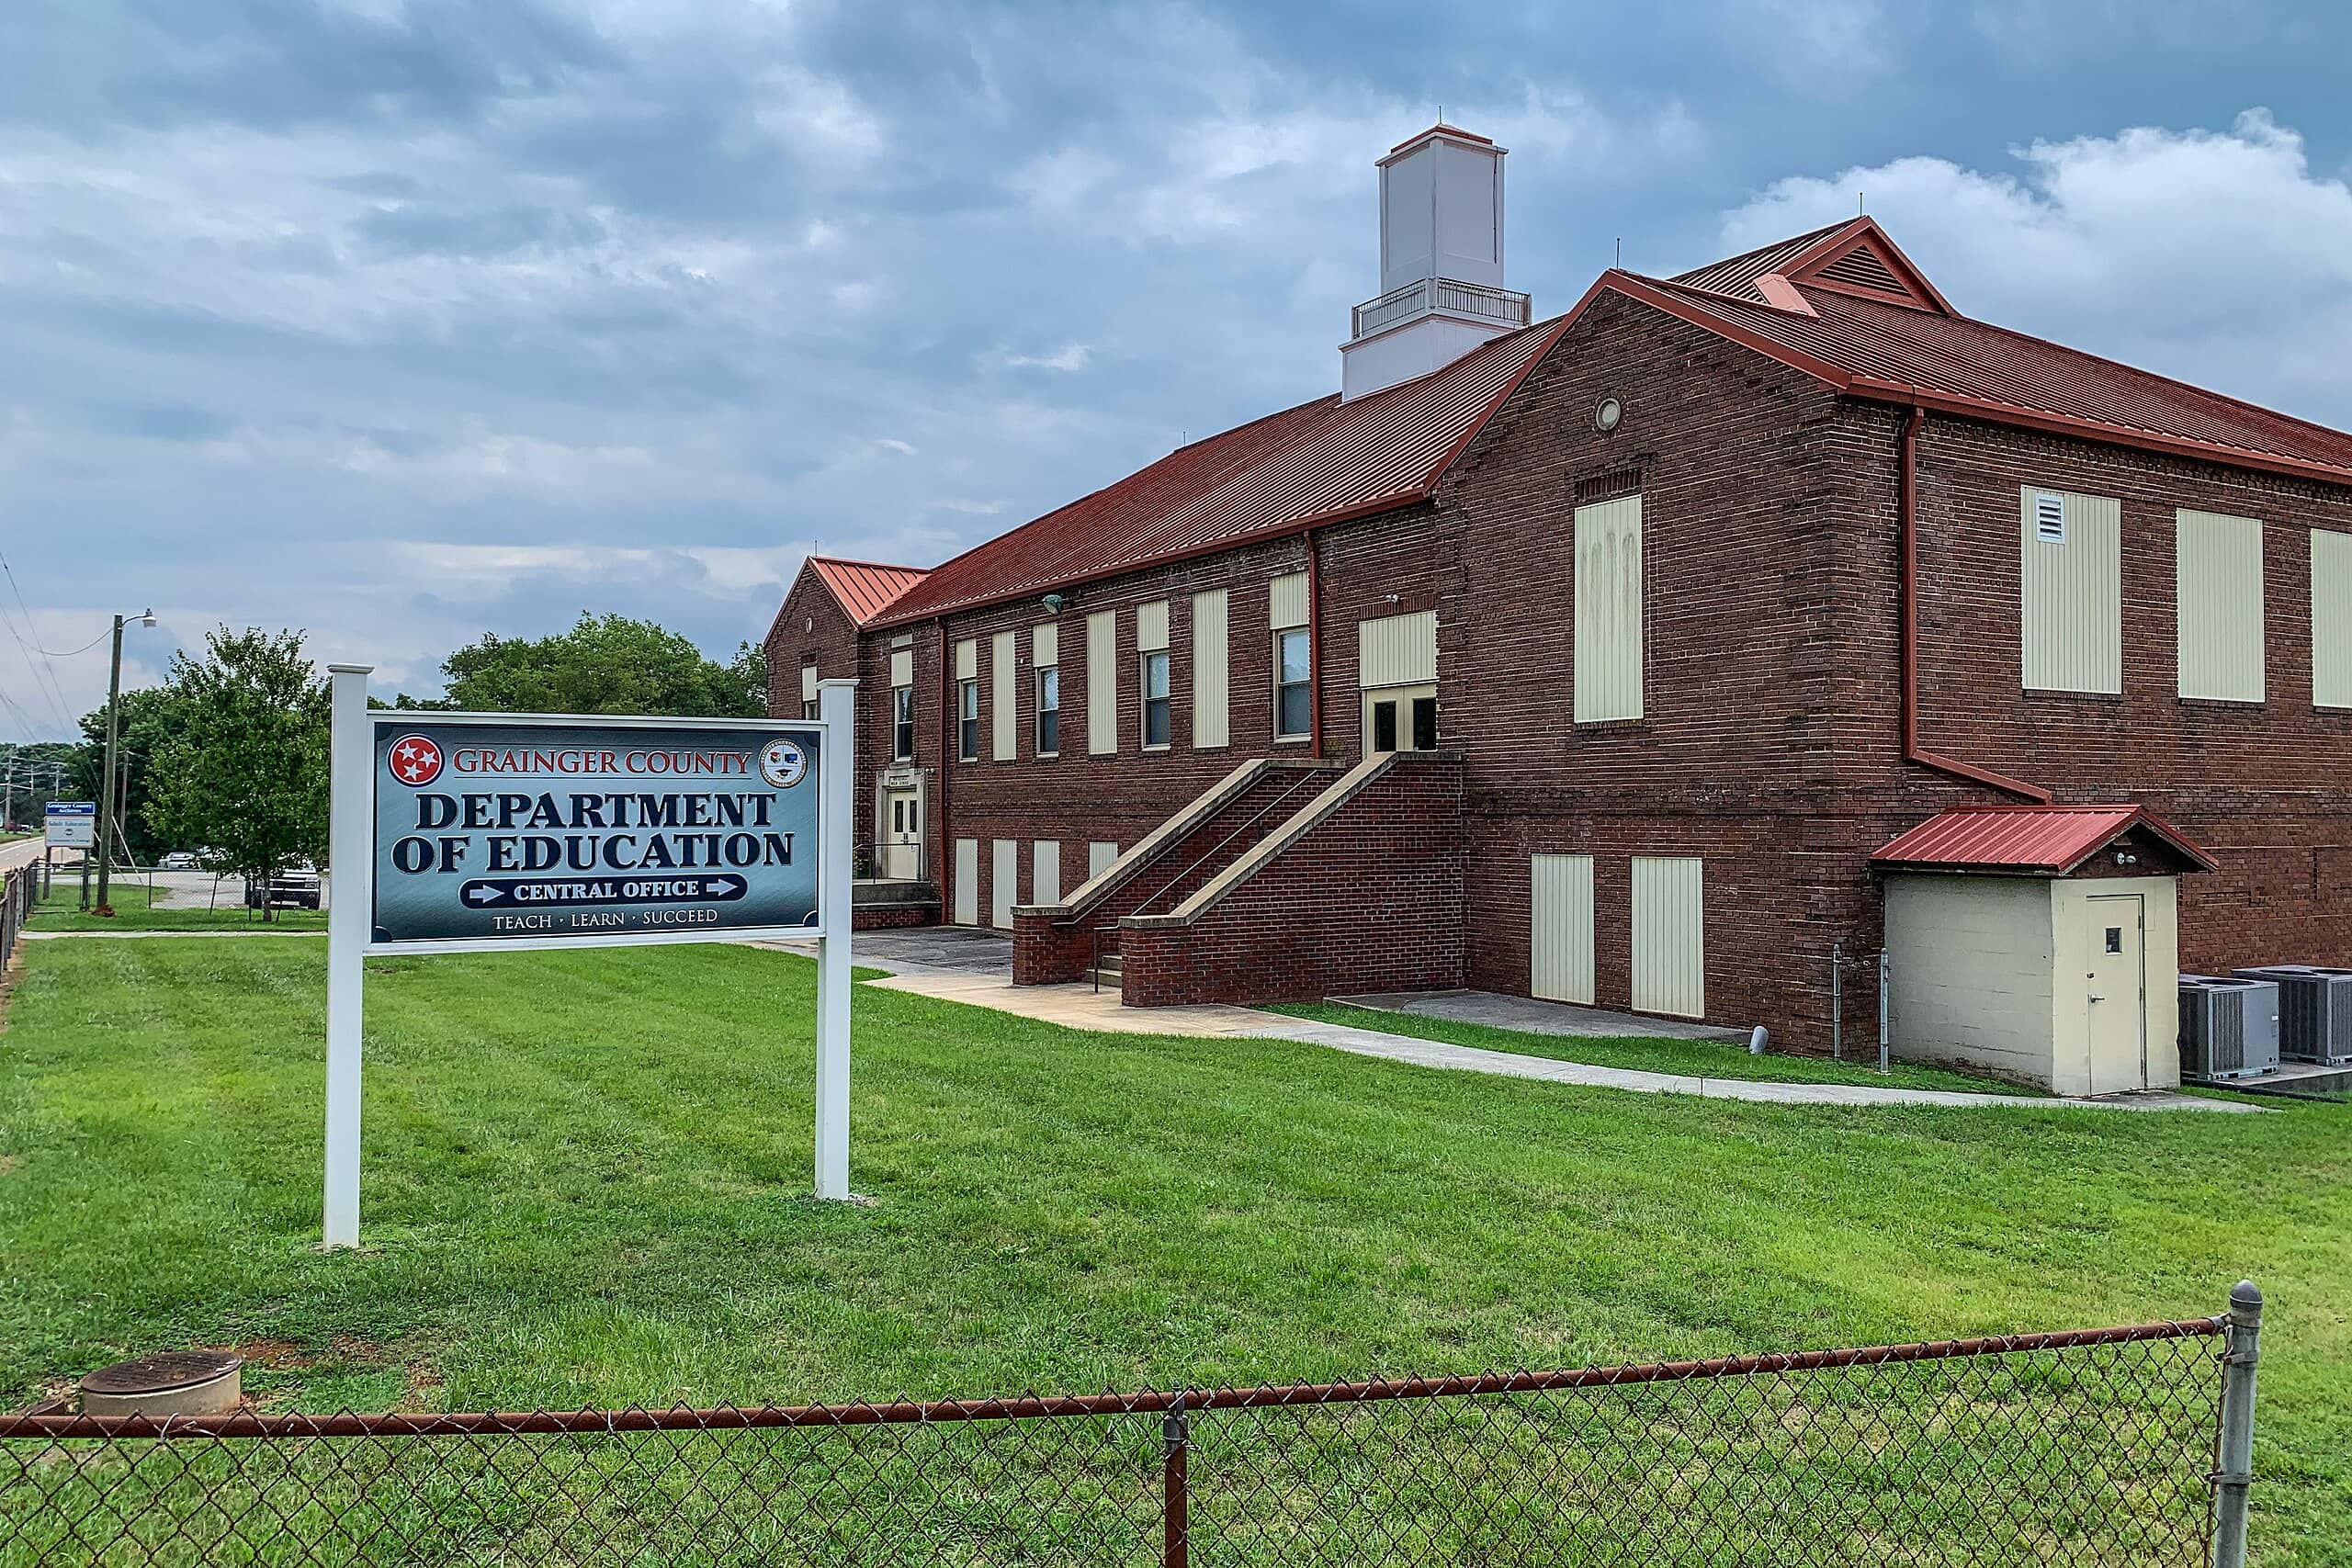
836, 705
471, 832
350, 895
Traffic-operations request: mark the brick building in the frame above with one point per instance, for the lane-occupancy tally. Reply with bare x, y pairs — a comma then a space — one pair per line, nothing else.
1652, 657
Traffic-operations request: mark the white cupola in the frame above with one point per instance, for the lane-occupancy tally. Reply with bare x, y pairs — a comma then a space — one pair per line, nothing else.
1441, 262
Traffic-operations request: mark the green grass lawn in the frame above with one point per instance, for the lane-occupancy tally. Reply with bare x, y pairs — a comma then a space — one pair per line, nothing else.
1688, 1058
133, 910
585, 1175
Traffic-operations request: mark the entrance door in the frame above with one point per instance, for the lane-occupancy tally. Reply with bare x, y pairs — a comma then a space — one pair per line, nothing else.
1399, 719
903, 835
2118, 1022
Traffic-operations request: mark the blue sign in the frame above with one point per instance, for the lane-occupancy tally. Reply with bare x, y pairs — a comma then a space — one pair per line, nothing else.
70, 824
491, 828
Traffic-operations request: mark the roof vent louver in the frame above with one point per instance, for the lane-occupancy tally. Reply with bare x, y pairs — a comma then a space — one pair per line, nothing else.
2050, 517
1862, 268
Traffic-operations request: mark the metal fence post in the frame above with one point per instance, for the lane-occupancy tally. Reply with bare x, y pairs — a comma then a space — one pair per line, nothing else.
1175, 1499
1885, 985
1837, 1002
2235, 1474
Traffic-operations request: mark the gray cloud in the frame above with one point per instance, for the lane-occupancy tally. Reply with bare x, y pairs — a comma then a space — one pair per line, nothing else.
403, 320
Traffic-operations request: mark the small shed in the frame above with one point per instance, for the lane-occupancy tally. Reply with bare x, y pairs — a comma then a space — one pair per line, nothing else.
2039, 942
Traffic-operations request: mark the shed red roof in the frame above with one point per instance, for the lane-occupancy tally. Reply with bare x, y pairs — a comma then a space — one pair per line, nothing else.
866, 588
2048, 840
1316, 463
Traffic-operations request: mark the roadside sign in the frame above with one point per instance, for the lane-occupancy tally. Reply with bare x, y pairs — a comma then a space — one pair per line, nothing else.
493, 830
72, 823
470, 833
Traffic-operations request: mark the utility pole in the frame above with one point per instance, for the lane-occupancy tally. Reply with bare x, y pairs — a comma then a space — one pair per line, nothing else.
114, 723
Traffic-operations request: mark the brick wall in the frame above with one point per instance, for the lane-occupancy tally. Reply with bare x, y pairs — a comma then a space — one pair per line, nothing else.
1077, 797
1770, 741
1371, 899
1051, 947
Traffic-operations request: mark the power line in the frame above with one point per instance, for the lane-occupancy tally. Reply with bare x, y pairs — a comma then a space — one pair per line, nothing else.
55, 694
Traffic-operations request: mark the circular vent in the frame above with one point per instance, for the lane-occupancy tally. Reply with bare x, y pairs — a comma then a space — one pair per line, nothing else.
1606, 413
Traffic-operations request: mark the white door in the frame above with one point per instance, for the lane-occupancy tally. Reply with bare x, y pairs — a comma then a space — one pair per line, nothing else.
1046, 871
1004, 882
2116, 1026
1559, 967
1669, 936
1401, 718
903, 835
967, 882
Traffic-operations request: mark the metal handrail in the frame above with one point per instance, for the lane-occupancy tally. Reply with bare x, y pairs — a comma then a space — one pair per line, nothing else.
1145, 903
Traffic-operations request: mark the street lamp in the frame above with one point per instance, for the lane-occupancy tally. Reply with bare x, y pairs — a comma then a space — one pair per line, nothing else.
106, 796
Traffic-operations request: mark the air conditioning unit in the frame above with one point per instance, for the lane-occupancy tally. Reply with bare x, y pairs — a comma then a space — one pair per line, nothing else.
2229, 1028
2315, 1010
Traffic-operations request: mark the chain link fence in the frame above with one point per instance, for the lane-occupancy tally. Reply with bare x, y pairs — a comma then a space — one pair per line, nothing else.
2091, 1448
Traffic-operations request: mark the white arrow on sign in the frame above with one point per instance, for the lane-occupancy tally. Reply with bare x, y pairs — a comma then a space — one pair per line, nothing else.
485, 895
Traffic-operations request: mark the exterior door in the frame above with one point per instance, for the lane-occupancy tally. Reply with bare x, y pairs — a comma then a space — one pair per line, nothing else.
2117, 1027
903, 835
1559, 967
1401, 718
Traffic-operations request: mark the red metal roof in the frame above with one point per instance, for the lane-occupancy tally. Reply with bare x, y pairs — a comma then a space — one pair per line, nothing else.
2049, 841
866, 588
1316, 463
1923, 352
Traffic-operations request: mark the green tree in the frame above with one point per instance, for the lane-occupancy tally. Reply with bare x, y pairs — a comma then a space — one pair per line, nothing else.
150, 716
244, 770
609, 664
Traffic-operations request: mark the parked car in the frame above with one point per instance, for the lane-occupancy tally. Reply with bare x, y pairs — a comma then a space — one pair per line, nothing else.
178, 860
296, 888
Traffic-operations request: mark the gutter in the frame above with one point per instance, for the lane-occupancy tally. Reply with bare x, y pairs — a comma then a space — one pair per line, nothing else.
1314, 651
943, 868
1907, 528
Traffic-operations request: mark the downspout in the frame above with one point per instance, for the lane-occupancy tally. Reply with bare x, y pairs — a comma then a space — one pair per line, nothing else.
943, 868
1907, 528
1314, 649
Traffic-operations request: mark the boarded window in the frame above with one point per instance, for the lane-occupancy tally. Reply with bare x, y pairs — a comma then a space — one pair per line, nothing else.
1286, 601
1396, 650
1099, 856
2072, 593
1151, 626
1046, 871
2218, 593
808, 682
967, 660
902, 667
1004, 882
1609, 610
1669, 936
1103, 683
1211, 725
1005, 717
967, 882
2331, 619
1559, 964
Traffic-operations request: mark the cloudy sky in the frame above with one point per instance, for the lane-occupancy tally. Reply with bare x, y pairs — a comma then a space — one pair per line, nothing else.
400, 321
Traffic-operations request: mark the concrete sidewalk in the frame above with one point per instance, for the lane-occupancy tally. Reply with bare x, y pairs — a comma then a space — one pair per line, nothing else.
1081, 1007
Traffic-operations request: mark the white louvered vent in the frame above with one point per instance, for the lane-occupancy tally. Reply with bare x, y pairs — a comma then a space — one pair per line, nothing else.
2050, 517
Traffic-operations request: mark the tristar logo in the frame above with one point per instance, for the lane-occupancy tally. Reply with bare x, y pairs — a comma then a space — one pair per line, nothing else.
415, 760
